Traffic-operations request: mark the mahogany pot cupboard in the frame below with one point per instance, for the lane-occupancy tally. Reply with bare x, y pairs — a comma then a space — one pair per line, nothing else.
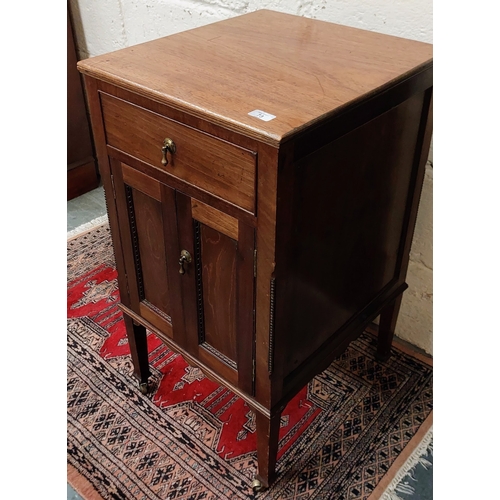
262, 176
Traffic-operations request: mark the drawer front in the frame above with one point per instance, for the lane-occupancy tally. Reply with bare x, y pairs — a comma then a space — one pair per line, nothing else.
214, 165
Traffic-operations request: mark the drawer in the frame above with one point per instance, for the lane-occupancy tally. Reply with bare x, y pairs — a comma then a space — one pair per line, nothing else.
209, 163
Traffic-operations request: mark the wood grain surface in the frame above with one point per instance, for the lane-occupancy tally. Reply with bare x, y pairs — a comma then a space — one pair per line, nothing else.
295, 68
149, 223
218, 261
342, 255
214, 218
200, 159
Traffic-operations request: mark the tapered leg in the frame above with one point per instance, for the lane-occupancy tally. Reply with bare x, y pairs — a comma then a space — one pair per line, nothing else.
137, 341
267, 448
387, 325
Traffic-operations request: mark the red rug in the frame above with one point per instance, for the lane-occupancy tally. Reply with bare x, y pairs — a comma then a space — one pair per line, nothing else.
190, 439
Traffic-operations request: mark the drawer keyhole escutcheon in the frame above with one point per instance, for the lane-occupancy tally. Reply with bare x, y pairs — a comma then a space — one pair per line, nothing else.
168, 145
185, 257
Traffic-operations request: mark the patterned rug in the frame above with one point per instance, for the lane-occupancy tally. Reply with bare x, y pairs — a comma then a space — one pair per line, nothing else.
190, 439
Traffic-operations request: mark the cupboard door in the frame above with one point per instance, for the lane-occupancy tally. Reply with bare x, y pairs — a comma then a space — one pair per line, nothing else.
146, 212
217, 289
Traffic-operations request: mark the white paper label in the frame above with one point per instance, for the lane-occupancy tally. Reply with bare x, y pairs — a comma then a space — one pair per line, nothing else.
262, 115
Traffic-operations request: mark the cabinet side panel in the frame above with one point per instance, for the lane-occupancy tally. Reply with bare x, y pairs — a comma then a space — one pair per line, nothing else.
349, 201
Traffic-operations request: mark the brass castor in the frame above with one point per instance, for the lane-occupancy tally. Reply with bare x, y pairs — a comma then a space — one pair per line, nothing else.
257, 486
143, 388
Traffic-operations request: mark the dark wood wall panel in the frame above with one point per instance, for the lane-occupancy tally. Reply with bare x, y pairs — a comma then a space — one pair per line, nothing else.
82, 175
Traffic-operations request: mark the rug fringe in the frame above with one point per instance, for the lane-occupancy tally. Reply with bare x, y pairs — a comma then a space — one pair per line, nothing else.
82, 485
87, 226
417, 457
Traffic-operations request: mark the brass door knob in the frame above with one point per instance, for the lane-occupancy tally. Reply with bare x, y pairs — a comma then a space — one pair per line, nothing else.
185, 257
168, 145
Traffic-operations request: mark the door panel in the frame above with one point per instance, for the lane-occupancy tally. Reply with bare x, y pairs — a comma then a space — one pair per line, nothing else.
149, 223
218, 291
218, 258
208, 309
141, 203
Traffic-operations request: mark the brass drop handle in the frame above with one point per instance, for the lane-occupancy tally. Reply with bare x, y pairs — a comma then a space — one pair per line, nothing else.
168, 145
185, 257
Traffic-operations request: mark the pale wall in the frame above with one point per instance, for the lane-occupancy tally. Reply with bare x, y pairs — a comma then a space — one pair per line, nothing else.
105, 25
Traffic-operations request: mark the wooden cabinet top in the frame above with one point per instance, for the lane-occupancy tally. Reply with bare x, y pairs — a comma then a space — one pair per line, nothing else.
298, 69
